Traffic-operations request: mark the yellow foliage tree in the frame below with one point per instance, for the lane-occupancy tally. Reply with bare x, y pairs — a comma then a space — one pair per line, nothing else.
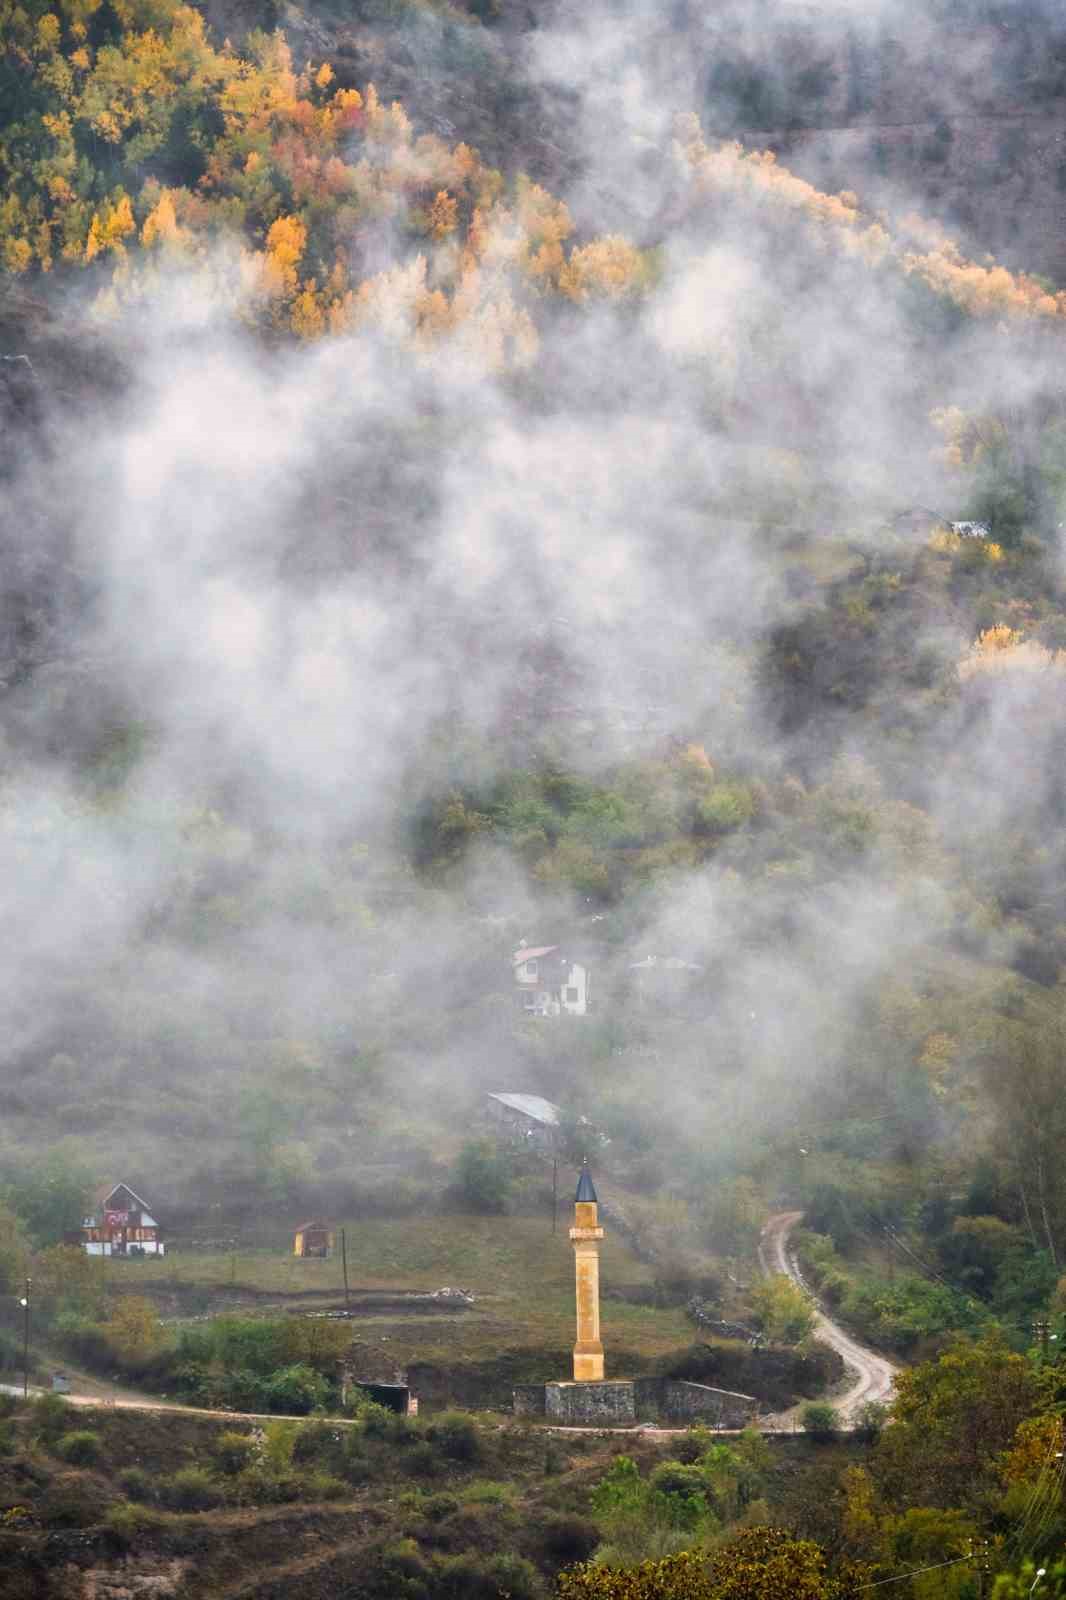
1001, 650
442, 219
133, 1331
110, 228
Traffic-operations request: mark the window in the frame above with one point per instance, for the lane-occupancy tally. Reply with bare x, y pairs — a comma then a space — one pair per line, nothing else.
571, 995
531, 969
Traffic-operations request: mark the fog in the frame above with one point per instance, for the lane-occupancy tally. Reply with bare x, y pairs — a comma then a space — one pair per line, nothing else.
315, 591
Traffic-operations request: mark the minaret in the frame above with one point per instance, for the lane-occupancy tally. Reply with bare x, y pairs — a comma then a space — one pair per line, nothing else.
585, 1236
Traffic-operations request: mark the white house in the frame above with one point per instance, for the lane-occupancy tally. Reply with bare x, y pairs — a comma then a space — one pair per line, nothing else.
548, 983
120, 1224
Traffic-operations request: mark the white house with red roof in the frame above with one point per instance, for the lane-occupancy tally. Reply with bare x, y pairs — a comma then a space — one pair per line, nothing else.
548, 982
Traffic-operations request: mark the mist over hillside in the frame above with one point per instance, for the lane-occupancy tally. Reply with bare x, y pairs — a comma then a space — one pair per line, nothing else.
401, 560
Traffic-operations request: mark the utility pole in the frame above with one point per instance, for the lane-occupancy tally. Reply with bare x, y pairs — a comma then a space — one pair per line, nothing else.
344, 1263
981, 1556
26, 1341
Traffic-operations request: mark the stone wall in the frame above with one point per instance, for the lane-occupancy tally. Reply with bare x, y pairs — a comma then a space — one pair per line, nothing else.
675, 1400
529, 1399
620, 1403
605, 1404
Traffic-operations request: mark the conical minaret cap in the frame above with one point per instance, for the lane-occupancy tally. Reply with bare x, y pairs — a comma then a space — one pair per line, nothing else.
585, 1190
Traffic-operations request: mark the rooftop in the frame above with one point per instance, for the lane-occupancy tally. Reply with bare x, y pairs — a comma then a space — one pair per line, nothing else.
531, 952
531, 1105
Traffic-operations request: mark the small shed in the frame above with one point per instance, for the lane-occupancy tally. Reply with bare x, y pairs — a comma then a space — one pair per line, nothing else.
527, 1119
313, 1239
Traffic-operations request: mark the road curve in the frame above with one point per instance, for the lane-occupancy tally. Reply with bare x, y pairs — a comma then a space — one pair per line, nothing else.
872, 1375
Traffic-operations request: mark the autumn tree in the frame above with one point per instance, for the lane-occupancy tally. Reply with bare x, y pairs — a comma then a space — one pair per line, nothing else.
952, 1418
133, 1331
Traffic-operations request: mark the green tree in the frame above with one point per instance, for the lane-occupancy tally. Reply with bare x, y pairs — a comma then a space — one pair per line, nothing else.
782, 1310
52, 1198
483, 1178
951, 1419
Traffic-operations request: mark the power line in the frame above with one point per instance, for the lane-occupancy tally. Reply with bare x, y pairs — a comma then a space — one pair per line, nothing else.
903, 1576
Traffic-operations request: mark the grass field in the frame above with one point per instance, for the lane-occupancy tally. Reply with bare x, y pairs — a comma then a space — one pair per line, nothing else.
521, 1275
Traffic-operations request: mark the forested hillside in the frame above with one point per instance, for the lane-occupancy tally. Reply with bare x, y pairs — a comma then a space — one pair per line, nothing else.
401, 559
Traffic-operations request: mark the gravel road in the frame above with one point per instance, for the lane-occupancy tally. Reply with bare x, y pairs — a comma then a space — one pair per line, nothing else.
870, 1376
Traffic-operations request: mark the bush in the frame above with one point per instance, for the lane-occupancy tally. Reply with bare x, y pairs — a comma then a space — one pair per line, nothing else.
127, 1522
297, 1389
136, 1484
322, 1443
191, 1489
487, 1492
473, 1577
263, 1485
323, 1486
694, 1445
483, 1181
81, 1449
234, 1451
456, 1436
564, 1540
71, 1503
355, 1467
435, 1507
421, 1461
376, 1420
821, 1421
9, 1404
870, 1421
50, 1416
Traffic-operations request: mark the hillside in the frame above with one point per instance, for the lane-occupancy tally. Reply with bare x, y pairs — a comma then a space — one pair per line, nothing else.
531, 560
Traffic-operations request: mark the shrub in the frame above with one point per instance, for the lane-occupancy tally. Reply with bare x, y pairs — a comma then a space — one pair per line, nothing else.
421, 1461
435, 1507
8, 1404
233, 1451
261, 1485
191, 1489
136, 1484
483, 1180
7, 1438
473, 1577
323, 1486
376, 1420
456, 1436
321, 1442
399, 1570
821, 1421
297, 1389
870, 1421
694, 1445
128, 1521
50, 1416
563, 1540
354, 1464
487, 1492
71, 1503
81, 1449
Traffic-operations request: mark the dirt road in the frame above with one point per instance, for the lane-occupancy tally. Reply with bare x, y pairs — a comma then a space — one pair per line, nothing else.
871, 1375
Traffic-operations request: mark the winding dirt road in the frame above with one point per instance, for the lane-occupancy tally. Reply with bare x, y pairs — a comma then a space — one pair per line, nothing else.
872, 1375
